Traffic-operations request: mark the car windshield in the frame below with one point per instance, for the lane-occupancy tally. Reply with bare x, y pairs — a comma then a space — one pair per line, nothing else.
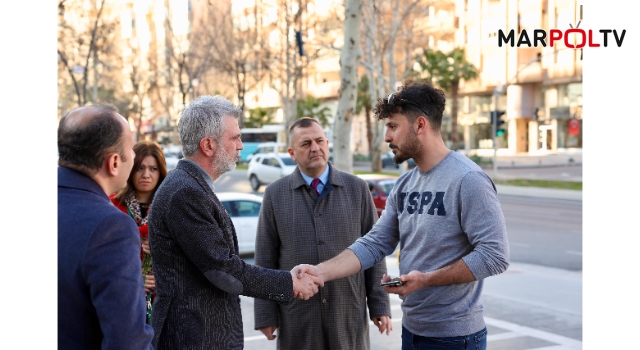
288, 161
386, 186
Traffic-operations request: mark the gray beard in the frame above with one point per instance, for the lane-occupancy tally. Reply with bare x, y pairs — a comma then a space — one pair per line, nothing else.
224, 162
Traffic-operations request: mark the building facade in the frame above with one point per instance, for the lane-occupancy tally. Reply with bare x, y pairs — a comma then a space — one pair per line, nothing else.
539, 87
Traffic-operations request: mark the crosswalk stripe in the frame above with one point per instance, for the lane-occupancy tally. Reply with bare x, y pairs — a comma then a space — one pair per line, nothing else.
536, 333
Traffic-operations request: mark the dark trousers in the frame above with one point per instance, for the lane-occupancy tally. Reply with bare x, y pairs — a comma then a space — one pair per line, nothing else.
476, 341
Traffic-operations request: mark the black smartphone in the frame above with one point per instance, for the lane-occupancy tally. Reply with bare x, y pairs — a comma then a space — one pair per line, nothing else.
396, 282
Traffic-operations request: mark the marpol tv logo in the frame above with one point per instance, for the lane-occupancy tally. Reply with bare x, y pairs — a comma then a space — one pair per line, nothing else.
575, 38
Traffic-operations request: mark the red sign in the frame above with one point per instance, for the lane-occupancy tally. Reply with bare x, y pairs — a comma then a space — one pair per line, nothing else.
574, 127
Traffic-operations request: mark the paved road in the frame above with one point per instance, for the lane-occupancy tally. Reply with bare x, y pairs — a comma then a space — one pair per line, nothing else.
552, 173
546, 232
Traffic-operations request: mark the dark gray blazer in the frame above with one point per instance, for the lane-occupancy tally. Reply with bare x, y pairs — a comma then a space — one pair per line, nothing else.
197, 270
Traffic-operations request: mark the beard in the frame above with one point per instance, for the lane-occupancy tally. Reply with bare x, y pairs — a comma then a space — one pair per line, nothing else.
408, 150
224, 161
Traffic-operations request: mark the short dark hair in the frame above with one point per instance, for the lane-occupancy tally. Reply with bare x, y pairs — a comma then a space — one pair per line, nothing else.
143, 149
303, 122
431, 99
85, 147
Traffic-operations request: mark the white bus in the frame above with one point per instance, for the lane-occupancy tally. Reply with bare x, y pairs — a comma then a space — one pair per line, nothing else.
253, 137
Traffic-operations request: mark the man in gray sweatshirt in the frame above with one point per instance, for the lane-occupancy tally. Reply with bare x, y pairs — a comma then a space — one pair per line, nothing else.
446, 216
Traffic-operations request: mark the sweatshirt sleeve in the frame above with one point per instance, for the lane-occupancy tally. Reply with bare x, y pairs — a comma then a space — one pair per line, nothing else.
382, 239
482, 220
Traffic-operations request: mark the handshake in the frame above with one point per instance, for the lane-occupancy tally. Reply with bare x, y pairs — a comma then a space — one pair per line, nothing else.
306, 280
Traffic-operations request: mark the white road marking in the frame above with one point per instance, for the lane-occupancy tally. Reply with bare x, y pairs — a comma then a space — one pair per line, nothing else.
567, 343
554, 347
255, 337
501, 336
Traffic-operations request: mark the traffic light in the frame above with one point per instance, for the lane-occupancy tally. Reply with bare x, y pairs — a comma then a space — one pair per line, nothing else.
496, 118
299, 42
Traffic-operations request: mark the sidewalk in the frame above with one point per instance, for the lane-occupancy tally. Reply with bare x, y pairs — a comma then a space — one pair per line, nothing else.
526, 160
527, 307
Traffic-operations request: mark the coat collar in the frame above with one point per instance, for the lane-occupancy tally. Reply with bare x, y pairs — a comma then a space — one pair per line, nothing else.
196, 173
70, 178
334, 177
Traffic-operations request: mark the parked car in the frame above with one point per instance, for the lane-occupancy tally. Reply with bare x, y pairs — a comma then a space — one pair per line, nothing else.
380, 186
265, 168
269, 147
171, 160
387, 161
244, 209
172, 154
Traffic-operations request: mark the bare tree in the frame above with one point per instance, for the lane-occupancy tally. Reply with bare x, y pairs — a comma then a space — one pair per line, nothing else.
188, 65
238, 48
288, 64
349, 58
140, 84
78, 49
387, 25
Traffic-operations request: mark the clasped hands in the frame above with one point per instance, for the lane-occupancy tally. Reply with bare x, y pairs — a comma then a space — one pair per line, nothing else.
306, 280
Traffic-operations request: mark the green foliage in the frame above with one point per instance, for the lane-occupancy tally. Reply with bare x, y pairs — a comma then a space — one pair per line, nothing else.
445, 70
259, 117
310, 107
357, 157
242, 166
480, 160
364, 98
362, 172
566, 185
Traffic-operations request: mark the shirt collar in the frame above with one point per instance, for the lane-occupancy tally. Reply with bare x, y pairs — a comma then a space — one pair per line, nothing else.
324, 177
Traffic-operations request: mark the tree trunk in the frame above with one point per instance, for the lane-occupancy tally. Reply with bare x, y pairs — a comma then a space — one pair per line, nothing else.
378, 129
454, 115
92, 47
375, 74
367, 118
94, 88
349, 57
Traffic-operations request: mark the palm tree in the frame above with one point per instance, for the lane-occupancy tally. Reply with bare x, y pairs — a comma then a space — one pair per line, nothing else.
259, 117
446, 71
310, 107
364, 101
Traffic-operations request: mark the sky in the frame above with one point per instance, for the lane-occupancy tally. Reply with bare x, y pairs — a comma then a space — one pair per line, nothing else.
28, 73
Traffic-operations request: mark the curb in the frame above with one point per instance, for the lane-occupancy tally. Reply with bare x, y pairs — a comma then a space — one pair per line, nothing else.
488, 167
539, 192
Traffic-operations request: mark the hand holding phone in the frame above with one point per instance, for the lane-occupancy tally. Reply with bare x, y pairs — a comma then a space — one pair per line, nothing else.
395, 282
